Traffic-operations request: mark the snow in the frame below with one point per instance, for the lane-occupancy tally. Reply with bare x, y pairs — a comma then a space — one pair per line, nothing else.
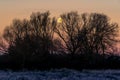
61, 74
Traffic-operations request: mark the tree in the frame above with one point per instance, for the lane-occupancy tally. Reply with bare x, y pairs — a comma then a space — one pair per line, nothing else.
68, 30
99, 33
31, 39
43, 31
87, 33
15, 35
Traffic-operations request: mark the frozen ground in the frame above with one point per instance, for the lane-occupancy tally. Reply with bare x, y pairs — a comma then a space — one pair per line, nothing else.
61, 74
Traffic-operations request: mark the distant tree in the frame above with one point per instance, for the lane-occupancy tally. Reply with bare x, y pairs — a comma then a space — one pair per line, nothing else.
100, 35
15, 36
68, 30
87, 33
43, 31
84, 37
30, 40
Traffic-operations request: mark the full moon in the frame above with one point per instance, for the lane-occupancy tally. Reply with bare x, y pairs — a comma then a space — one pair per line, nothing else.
59, 20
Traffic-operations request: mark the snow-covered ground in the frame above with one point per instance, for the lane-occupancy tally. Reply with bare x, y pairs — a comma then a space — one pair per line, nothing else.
61, 74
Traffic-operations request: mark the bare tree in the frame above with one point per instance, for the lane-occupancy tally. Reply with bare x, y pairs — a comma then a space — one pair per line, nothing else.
87, 33
30, 39
38, 30
43, 29
99, 33
68, 30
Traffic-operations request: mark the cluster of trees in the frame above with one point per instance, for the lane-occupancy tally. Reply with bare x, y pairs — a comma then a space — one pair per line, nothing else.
77, 41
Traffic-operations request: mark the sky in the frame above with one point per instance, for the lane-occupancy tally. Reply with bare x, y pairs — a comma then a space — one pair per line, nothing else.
20, 9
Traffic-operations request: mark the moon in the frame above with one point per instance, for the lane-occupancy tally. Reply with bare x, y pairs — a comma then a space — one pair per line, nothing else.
59, 20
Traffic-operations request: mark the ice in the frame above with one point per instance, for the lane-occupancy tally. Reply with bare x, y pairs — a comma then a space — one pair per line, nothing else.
61, 74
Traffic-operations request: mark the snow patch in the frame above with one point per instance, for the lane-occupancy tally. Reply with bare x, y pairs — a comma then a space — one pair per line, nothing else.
61, 74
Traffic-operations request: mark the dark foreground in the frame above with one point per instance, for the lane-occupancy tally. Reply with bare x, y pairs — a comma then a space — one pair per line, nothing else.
56, 61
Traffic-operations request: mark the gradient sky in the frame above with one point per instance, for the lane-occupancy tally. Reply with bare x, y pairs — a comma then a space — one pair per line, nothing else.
11, 9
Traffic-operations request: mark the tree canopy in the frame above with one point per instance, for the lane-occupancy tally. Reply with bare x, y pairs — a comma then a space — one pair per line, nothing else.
44, 40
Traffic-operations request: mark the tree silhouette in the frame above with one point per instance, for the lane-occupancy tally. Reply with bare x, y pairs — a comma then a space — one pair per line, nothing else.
99, 33
31, 40
87, 33
68, 30
43, 28
42, 42
15, 35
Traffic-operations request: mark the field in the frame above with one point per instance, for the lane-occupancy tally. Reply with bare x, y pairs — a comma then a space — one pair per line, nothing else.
61, 74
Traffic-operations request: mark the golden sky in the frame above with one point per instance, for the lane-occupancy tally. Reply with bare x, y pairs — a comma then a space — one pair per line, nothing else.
11, 9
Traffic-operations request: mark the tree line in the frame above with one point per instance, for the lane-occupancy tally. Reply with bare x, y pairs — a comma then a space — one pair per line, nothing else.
77, 41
